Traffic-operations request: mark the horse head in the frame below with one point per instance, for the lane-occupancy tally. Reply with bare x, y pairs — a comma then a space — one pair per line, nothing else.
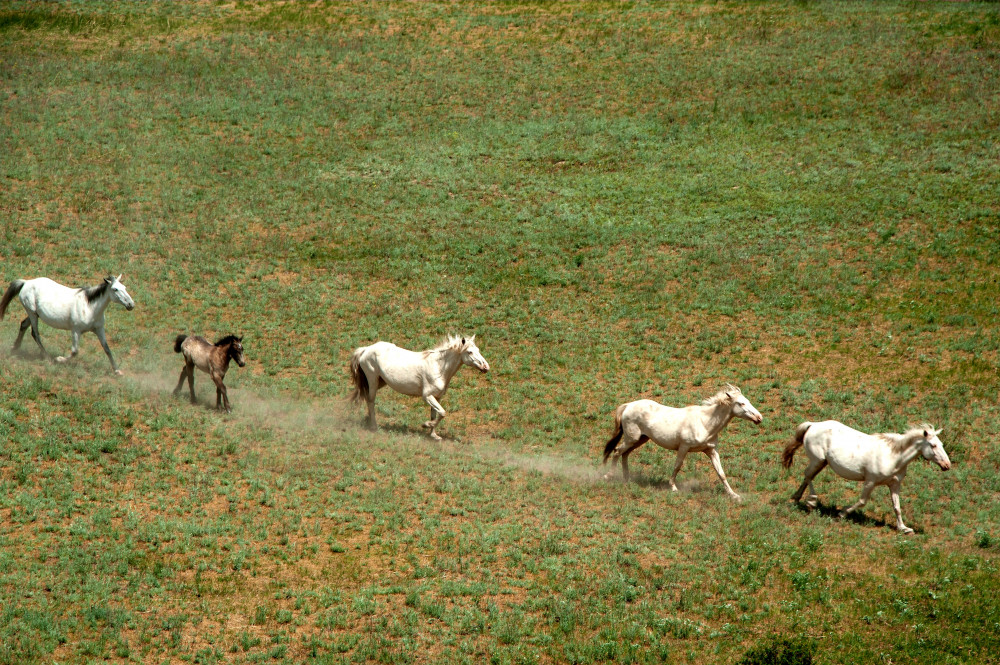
119, 293
741, 406
931, 447
236, 352
471, 355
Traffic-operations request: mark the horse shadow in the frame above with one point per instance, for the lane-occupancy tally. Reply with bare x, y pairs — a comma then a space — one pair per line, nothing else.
652, 482
833, 512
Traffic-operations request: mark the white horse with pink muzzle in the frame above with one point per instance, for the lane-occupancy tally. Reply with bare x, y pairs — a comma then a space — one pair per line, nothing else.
690, 429
418, 373
874, 459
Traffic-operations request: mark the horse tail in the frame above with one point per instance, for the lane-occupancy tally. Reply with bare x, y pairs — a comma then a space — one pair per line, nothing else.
358, 377
12, 290
616, 436
177, 343
794, 444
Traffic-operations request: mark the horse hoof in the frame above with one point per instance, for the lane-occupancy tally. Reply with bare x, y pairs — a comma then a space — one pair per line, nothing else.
737, 498
428, 424
906, 531
436, 436
118, 372
812, 503
61, 359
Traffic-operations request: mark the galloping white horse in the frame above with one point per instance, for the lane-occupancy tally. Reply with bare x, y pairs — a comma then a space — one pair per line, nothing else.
690, 429
875, 459
65, 308
418, 373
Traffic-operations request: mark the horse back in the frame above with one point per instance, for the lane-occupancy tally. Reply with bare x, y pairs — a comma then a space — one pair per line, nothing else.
402, 370
664, 425
199, 351
848, 451
54, 303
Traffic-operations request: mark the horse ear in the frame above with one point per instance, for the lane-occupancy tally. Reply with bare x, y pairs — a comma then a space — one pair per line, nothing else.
119, 277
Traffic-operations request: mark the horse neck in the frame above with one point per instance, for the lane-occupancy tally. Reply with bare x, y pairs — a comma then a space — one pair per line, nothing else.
226, 356
98, 306
716, 416
448, 362
908, 451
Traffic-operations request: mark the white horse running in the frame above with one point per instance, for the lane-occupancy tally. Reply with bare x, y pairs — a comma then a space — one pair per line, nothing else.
418, 373
65, 308
690, 429
875, 459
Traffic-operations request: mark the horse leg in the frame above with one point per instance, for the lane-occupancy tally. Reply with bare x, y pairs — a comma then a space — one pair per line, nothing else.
628, 451
104, 344
74, 350
20, 333
815, 466
813, 499
180, 381
374, 383
438, 414
221, 398
33, 318
190, 372
612, 461
678, 463
866, 491
894, 489
713, 455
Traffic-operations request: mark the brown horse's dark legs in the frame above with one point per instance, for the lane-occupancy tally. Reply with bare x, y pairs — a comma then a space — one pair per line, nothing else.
221, 398
180, 381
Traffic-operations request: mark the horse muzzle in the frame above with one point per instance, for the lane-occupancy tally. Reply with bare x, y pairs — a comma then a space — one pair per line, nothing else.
945, 466
130, 307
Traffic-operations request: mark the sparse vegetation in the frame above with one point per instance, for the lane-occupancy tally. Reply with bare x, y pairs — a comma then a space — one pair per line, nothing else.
621, 200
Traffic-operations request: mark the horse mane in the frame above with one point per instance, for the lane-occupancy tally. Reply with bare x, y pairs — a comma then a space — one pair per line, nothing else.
95, 292
721, 397
900, 442
228, 339
451, 343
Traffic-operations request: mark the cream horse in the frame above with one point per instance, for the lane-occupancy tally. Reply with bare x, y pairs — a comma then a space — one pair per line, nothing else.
692, 429
874, 459
418, 373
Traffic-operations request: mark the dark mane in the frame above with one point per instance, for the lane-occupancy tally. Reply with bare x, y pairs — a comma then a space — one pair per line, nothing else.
228, 339
95, 292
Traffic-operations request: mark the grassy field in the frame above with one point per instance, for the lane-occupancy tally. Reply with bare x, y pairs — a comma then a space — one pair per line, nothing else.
621, 200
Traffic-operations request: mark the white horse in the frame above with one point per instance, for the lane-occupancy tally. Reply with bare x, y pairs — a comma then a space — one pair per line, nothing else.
874, 459
691, 429
65, 308
418, 373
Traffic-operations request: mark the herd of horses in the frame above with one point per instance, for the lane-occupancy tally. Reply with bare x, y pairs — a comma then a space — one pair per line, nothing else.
872, 459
